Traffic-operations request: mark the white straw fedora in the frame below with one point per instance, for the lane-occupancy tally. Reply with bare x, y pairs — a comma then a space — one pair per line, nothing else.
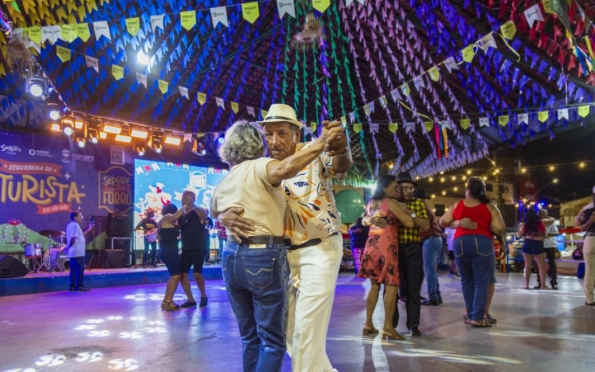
279, 112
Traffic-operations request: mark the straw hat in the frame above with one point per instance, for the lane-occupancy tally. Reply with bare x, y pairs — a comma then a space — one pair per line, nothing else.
281, 113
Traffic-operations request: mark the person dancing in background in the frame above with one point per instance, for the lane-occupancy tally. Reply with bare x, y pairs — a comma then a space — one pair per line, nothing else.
168, 233
533, 231
380, 262
149, 227
359, 236
475, 220
194, 247
550, 246
75, 238
586, 221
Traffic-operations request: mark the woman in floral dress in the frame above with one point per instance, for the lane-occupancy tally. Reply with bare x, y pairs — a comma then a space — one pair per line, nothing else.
380, 262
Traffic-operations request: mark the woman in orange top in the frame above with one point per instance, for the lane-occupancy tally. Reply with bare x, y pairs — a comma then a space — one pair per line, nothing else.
380, 261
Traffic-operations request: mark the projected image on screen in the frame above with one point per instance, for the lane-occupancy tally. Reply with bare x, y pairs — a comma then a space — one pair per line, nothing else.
157, 184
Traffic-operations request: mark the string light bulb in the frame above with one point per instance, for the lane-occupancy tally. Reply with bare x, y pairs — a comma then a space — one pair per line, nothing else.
469, 171
552, 168
524, 170
454, 178
441, 179
443, 192
555, 180
581, 165
431, 179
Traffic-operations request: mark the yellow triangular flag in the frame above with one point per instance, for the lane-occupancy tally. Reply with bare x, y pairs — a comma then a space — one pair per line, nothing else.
63, 53
202, 98
392, 127
313, 126
35, 34
434, 73
82, 30
429, 125
82, 13
264, 113
508, 30
188, 19
163, 86
583, 111
69, 33
405, 89
343, 120
70, 6
321, 5
117, 72
357, 127
2, 72
468, 53
133, 25
367, 110
250, 11
61, 14
235, 107
547, 6
542, 116
465, 123
4, 50
503, 120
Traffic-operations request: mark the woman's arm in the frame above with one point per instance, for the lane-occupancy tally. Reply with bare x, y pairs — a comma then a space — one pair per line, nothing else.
370, 218
171, 218
401, 214
498, 226
447, 217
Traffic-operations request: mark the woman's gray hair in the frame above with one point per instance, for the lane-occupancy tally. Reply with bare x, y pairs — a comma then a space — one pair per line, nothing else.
242, 142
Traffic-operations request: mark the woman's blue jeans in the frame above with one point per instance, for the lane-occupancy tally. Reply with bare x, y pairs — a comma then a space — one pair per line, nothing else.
256, 281
475, 256
432, 247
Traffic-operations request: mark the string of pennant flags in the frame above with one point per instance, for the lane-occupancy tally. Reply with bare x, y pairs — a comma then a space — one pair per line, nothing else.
507, 32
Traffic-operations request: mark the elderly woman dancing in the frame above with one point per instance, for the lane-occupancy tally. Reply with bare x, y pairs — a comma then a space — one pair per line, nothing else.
255, 270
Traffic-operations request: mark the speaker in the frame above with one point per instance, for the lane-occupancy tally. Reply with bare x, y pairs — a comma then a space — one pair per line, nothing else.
11, 267
509, 215
114, 258
118, 225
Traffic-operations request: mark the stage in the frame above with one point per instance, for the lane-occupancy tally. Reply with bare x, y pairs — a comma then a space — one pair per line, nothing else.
56, 281
123, 328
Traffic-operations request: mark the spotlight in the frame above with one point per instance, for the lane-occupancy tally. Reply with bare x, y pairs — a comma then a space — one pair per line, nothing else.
80, 141
54, 114
139, 133
123, 138
140, 150
92, 135
157, 146
142, 58
68, 126
54, 111
36, 86
198, 147
221, 140
55, 127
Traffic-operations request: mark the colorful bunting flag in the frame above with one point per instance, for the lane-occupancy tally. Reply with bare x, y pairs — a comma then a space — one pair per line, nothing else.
357, 127
484, 122
405, 89
163, 86
503, 120
321, 5
468, 53
583, 111
563, 114
184, 92
434, 73
63, 53
188, 19
451, 64
82, 30
523, 118
219, 15
133, 25
201, 97
533, 14
392, 127
157, 22
285, 7
117, 72
542, 116
219, 102
141, 79
92, 62
508, 30
250, 11
101, 28
235, 107
69, 33
465, 123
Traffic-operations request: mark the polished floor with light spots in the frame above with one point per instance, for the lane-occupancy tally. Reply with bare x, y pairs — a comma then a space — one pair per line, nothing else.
124, 329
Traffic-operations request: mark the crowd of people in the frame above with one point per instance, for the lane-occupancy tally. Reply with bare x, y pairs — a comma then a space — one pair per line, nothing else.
280, 243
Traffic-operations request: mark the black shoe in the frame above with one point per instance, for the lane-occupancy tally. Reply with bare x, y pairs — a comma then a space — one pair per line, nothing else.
72, 289
415, 332
83, 289
440, 301
537, 287
188, 304
203, 302
430, 303
422, 298
590, 303
554, 286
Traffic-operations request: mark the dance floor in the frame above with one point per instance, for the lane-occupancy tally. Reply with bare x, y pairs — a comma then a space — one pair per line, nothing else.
124, 329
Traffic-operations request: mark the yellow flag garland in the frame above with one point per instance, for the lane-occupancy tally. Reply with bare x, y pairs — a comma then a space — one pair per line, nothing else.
508, 30
465, 123
583, 111
392, 127
133, 25
163, 86
235, 107
82, 30
542, 116
63, 53
503, 120
201, 97
188, 19
357, 127
321, 5
468, 53
117, 72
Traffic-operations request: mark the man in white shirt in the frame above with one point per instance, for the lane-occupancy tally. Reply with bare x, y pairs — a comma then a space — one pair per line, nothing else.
75, 238
550, 245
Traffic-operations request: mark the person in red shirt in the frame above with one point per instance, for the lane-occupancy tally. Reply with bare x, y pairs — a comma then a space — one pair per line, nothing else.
476, 220
533, 230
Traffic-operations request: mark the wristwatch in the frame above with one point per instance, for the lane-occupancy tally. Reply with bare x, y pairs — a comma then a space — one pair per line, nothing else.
413, 215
